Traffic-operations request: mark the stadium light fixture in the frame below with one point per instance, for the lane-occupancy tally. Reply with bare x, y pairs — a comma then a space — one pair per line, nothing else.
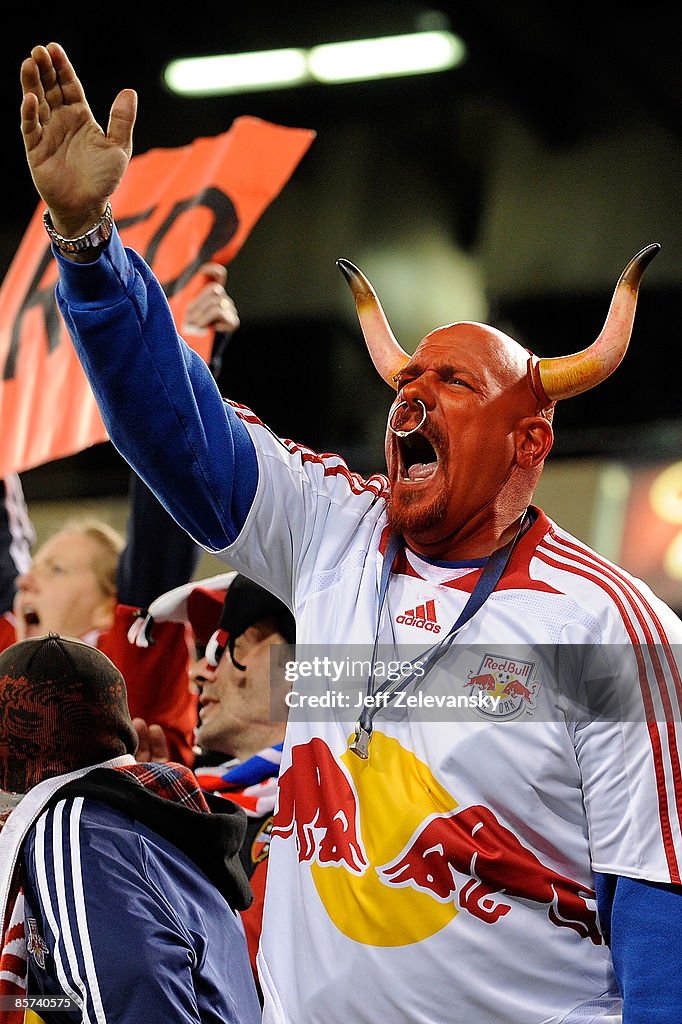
236, 72
387, 57
356, 60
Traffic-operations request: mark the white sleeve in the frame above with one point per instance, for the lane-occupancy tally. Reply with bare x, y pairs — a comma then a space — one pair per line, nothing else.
308, 511
628, 740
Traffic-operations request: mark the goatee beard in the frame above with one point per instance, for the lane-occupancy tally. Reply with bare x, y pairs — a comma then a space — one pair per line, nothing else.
416, 513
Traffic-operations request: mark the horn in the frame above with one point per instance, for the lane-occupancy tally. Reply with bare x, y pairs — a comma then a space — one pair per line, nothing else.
566, 376
387, 355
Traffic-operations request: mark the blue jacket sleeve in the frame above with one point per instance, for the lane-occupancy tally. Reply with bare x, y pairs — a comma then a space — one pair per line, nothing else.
159, 402
643, 925
159, 555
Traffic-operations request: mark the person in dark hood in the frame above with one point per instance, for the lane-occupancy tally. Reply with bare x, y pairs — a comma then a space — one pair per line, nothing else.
120, 890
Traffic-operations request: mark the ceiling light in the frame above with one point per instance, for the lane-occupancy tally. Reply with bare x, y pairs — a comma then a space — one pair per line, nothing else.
236, 72
353, 61
387, 57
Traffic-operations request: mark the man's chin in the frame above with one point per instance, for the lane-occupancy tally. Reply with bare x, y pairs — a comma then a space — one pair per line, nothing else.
412, 513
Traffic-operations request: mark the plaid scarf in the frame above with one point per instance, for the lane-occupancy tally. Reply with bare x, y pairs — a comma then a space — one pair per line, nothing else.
252, 783
171, 781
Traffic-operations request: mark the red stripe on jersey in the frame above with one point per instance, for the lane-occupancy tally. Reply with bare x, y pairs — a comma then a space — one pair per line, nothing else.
244, 413
377, 483
591, 561
633, 596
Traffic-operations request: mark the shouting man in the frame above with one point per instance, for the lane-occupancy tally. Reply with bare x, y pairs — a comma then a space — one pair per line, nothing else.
498, 835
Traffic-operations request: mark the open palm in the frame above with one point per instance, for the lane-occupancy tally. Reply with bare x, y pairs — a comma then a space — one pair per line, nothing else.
75, 166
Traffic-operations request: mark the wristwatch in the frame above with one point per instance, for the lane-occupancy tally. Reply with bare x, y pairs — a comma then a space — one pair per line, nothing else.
93, 239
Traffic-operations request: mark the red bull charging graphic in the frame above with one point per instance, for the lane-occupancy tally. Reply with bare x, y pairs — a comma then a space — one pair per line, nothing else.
395, 859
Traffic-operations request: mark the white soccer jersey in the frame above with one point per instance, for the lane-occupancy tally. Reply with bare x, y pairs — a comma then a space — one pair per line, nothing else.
450, 875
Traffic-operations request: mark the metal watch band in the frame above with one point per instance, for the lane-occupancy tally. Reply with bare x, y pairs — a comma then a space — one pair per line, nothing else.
94, 238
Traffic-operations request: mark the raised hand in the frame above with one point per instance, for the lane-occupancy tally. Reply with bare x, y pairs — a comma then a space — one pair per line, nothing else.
212, 307
75, 166
152, 743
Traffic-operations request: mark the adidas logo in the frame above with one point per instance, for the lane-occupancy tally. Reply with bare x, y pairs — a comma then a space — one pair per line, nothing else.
423, 616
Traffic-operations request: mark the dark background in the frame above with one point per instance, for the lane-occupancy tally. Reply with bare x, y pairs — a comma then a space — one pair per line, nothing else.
586, 97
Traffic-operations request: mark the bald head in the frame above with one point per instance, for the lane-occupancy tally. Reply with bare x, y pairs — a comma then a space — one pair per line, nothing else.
495, 359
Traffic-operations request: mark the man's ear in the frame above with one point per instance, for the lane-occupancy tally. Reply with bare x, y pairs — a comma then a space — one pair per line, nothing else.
533, 439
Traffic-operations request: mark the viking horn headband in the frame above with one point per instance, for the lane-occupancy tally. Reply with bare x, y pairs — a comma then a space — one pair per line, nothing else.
550, 379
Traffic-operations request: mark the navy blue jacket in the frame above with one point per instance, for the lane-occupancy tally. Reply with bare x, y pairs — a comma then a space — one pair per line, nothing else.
127, 924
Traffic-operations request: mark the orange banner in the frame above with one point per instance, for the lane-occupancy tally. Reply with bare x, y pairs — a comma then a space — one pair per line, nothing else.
178, 208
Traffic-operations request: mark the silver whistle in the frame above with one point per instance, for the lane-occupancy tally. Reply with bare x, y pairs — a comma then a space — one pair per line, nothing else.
360, 742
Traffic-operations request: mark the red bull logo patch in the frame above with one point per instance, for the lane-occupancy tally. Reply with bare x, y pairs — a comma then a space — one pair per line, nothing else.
383, 835
509, 679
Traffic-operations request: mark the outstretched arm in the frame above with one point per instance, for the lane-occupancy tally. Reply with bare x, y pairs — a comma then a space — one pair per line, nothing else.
159, 555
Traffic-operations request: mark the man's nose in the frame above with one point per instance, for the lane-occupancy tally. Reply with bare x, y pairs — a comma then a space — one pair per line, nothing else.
420, 389
25, 580
201, 672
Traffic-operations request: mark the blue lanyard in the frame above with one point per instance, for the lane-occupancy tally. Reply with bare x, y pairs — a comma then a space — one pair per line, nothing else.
487, 581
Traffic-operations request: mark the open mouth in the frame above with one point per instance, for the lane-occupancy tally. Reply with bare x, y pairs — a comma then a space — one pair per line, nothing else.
30, 616
204, 704
419, 459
